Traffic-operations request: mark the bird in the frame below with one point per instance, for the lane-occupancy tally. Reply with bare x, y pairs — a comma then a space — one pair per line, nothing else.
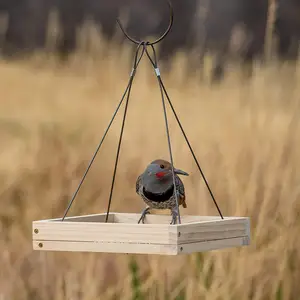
156, 187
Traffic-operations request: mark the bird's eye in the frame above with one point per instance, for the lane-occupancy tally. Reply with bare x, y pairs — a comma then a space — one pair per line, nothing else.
162, 166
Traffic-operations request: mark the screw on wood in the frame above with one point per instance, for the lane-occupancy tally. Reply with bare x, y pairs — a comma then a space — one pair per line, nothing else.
179, 234
36, 231
181, 248
41, 245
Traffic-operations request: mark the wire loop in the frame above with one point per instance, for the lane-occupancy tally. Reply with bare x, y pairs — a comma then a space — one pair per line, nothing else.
160, 38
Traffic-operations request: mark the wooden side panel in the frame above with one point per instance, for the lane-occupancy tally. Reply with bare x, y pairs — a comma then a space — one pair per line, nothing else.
213, 230
133, 218
105, 232
87, 218
160, 218
213, 245
92, 218
105, 247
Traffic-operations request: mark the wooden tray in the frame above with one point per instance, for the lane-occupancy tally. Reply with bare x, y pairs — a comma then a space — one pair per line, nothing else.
122, 234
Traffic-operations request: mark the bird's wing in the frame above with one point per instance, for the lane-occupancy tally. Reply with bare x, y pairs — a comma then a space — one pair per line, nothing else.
180, 189
138, 184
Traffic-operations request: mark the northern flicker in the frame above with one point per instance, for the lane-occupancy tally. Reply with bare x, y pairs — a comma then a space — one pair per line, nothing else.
156, 187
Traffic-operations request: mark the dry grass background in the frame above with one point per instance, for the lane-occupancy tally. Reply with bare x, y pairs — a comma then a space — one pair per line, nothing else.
247, 138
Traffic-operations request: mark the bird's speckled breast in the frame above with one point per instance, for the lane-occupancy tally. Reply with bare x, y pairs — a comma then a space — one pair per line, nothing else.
168, 204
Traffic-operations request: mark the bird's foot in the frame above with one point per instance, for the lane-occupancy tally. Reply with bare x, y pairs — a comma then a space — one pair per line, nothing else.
144, 213
174, 215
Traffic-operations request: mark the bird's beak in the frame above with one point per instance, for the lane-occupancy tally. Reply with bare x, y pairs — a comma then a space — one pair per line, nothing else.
180, 172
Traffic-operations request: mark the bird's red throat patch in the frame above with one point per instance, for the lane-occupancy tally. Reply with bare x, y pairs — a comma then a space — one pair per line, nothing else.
160, 174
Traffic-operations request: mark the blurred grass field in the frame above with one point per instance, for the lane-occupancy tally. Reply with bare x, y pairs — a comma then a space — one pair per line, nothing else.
246, 136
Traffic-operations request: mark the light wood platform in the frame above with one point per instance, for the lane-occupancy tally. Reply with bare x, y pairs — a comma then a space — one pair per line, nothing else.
122, 234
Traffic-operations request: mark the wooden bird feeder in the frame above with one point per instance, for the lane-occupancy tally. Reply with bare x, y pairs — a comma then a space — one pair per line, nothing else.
120, 232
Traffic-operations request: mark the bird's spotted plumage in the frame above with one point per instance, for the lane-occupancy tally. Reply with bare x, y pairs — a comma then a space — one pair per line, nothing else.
156, 187
165, 200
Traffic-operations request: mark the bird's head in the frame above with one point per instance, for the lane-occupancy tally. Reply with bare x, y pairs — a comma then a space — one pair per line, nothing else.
161, 171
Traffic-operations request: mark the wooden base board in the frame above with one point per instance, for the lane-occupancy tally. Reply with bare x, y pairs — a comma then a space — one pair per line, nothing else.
122, 234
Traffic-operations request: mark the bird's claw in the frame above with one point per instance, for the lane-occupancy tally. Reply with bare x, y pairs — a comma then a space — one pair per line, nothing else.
174, 220
144, 213
174, 217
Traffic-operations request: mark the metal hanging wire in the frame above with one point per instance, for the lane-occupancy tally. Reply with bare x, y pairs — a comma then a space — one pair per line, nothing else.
164, 91
137, 58
136, 62
142, 48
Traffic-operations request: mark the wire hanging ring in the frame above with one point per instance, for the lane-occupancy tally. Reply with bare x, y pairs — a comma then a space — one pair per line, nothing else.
160, 38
